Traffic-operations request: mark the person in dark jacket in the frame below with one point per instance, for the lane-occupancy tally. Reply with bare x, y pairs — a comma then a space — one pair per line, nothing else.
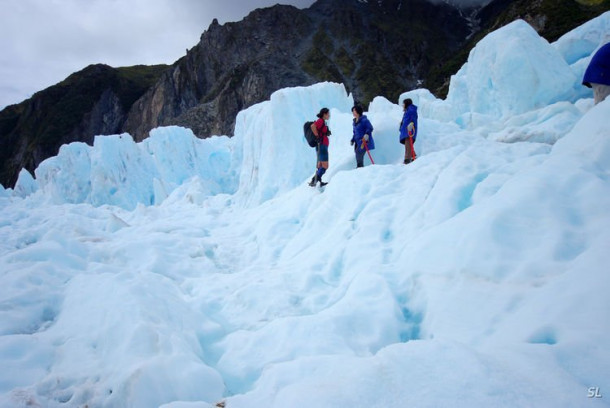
408, 129
597, 75
321, 130
363, 135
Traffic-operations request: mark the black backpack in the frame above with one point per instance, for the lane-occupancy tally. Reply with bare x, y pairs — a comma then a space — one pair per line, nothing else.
311, 138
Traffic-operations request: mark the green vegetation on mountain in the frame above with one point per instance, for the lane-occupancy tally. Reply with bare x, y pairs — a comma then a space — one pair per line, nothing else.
36, 128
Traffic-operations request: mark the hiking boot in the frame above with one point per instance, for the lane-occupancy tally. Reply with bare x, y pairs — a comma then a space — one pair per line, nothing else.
314, 181
322, 184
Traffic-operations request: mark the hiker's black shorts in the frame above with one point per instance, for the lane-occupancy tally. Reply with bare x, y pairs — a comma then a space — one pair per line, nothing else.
322, 153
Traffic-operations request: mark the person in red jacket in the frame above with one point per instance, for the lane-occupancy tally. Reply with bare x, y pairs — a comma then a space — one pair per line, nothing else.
321, 130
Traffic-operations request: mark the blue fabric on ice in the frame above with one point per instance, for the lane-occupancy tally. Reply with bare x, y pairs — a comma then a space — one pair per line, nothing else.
598, 71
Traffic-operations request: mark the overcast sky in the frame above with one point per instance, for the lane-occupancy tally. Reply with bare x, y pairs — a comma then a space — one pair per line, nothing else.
44, 41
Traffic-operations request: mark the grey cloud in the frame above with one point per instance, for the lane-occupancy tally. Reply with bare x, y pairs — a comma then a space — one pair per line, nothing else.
43, 41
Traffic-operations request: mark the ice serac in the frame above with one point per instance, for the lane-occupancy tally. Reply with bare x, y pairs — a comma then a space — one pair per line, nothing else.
582, 42
267, 156
511, 71
518, 87
26, 184
118, 171
579, 45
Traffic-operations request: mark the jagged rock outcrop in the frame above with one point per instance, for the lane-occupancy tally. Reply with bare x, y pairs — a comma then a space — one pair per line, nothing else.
234, 66
377, 48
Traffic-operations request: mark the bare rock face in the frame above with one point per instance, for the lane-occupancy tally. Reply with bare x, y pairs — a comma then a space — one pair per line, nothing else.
232, 67
375, 49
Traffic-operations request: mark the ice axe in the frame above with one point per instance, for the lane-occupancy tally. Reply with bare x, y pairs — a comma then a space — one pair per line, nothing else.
366, 146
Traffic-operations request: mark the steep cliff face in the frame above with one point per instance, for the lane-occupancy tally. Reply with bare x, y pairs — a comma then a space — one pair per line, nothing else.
376, 48
233, 66
91, 102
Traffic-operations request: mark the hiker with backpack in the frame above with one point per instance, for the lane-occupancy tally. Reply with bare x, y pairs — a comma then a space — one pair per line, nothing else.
362, 140
321, 131
408, 129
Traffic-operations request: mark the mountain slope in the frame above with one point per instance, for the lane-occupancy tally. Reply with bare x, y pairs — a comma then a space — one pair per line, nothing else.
377, 48
93, 101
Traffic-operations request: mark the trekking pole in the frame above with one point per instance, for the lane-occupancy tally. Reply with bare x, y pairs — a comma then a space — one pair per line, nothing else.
366, 146
413, 155
411, 131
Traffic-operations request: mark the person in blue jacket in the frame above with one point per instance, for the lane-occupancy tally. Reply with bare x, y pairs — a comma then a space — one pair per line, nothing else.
597, 75
363, 135
408, 129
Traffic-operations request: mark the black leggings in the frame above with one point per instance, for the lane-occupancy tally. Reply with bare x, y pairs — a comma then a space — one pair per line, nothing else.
359, 157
